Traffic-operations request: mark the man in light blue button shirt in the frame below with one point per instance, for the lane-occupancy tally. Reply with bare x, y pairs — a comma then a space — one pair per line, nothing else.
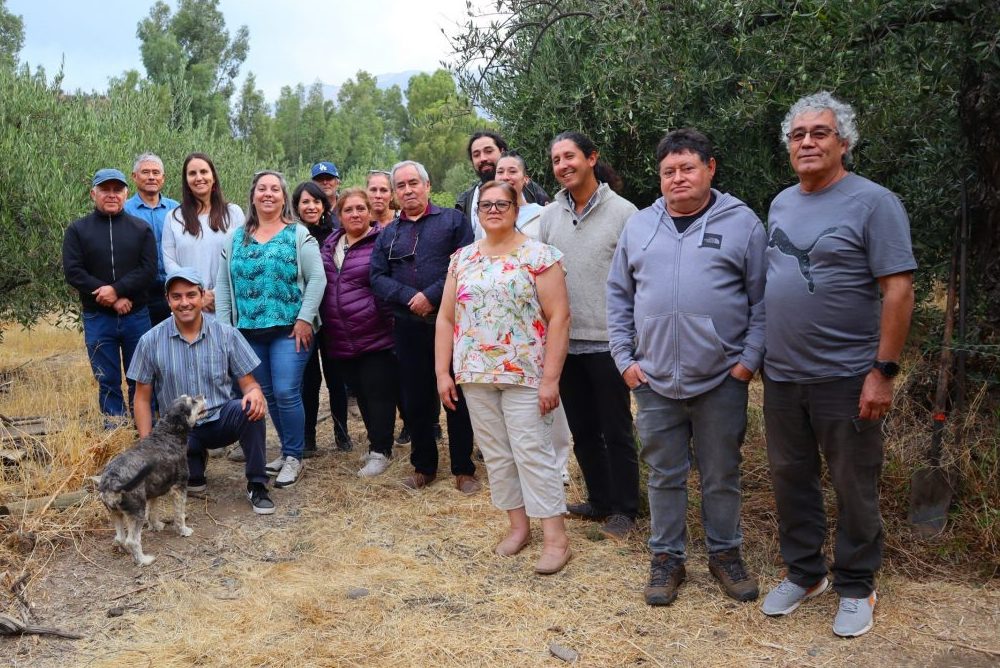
191, 354
148, 204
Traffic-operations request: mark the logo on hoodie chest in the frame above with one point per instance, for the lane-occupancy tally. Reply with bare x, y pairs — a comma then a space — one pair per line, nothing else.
712, 241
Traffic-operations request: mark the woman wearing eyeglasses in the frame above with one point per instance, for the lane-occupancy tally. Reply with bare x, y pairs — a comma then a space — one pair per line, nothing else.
357, 330
504, 326
269, 287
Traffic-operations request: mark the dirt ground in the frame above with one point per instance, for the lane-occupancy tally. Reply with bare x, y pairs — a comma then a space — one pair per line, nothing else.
352, 572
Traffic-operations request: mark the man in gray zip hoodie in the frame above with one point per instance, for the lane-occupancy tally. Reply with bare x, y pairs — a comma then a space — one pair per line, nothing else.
686, 330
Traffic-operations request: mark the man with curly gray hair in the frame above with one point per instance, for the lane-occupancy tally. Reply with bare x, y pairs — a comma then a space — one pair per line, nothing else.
838, 298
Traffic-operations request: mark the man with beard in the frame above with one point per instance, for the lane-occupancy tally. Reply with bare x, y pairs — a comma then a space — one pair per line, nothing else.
327, 176
484, 149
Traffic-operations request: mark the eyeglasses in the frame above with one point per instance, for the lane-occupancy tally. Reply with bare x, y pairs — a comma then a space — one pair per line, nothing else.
372, 172
501, 205
407, 256
819, 134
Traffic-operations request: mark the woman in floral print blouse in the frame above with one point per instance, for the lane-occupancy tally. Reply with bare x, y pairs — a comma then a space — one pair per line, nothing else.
504, 326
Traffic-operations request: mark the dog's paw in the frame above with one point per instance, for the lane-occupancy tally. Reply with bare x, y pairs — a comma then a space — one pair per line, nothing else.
146, 560
157, 525
185, 531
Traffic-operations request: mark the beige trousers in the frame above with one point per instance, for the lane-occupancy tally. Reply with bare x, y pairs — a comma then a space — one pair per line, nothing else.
516, 443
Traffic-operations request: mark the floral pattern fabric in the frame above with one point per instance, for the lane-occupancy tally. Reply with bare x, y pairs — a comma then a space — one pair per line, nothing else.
499, 329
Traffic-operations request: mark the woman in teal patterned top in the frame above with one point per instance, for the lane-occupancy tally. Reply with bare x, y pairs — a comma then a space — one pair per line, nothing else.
269, 287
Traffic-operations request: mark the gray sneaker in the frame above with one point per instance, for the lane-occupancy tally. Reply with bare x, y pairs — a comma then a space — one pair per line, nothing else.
787, 596
854, 617
290, 472
274, 467
375, 464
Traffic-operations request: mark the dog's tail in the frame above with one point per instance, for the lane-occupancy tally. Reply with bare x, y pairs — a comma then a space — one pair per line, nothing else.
138, 478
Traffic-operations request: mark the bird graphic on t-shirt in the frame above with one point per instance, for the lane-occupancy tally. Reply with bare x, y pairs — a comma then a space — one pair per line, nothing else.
781, 241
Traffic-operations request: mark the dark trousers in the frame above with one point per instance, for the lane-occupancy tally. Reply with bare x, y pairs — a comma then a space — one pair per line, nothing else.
804, 421
415, 350
232, 425
599, 413
375, 380
159, 309
311, 379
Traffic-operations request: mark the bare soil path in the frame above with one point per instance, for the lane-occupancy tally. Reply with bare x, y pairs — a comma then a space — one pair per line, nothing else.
352, 572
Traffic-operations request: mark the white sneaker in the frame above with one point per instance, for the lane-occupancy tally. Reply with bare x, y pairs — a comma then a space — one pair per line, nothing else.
274, 467
290, 472
375, 464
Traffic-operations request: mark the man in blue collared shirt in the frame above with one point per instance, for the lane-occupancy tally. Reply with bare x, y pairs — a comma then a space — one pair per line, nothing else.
148, 204
191, 354
408, 268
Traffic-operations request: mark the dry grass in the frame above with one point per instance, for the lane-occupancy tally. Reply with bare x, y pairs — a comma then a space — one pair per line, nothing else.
272, 591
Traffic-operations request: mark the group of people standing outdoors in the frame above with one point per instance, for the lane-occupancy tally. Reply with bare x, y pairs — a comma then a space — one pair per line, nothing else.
535, 323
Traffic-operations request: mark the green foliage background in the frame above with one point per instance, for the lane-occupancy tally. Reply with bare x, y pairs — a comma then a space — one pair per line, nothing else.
51, 143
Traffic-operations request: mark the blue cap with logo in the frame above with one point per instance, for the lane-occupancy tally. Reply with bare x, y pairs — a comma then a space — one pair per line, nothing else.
105, 175
321, 168
189, 274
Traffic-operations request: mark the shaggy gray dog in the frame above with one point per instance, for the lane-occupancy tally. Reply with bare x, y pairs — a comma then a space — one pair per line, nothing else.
134, 480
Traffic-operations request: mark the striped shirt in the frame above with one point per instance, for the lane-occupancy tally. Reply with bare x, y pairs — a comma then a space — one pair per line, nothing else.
209, 365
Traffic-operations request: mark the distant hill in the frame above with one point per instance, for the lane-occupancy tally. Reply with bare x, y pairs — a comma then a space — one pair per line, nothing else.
401, 79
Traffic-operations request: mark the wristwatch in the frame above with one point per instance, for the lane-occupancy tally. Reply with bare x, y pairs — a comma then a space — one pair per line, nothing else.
887, 369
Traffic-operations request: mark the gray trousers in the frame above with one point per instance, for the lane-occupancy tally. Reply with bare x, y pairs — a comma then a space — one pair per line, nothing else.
715, 423
802, 422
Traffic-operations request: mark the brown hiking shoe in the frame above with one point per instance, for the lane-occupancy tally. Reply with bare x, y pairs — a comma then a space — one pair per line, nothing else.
467, 484
666, 574
729, 570
418, 480
618, 527
585, 511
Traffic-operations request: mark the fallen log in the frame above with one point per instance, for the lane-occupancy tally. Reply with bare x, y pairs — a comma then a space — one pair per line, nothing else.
42, 503
14, 627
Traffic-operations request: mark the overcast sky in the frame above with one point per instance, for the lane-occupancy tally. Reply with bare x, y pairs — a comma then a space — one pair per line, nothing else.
291, 41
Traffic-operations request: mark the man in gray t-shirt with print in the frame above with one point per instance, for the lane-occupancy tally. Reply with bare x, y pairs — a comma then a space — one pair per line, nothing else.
838, 297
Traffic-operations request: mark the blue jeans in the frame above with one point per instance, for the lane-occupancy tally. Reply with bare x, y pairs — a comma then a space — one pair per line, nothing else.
280, 377
716, 422
111, 341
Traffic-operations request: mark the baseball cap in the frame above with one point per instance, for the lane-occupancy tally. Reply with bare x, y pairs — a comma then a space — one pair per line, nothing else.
189, 274
325, 168
104, 175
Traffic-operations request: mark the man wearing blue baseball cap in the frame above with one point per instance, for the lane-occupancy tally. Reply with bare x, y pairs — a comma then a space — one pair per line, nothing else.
191, 354
327, 176
110, 258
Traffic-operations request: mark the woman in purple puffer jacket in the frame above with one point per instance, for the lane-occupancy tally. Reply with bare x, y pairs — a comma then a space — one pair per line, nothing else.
357, 328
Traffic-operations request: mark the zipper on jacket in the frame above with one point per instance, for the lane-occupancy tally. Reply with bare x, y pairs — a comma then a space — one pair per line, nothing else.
677, 323
111, 237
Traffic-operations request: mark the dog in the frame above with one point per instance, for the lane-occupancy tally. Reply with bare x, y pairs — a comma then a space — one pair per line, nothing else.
133, 481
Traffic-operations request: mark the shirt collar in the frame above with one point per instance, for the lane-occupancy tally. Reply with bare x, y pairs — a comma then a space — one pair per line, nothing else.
173, 331
591, 203
140, 202
431, 208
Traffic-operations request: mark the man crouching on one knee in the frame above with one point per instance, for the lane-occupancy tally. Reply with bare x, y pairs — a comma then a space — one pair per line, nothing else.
191, 354
686, 328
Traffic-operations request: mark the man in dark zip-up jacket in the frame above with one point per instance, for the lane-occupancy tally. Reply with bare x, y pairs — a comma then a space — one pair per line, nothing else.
110, 258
